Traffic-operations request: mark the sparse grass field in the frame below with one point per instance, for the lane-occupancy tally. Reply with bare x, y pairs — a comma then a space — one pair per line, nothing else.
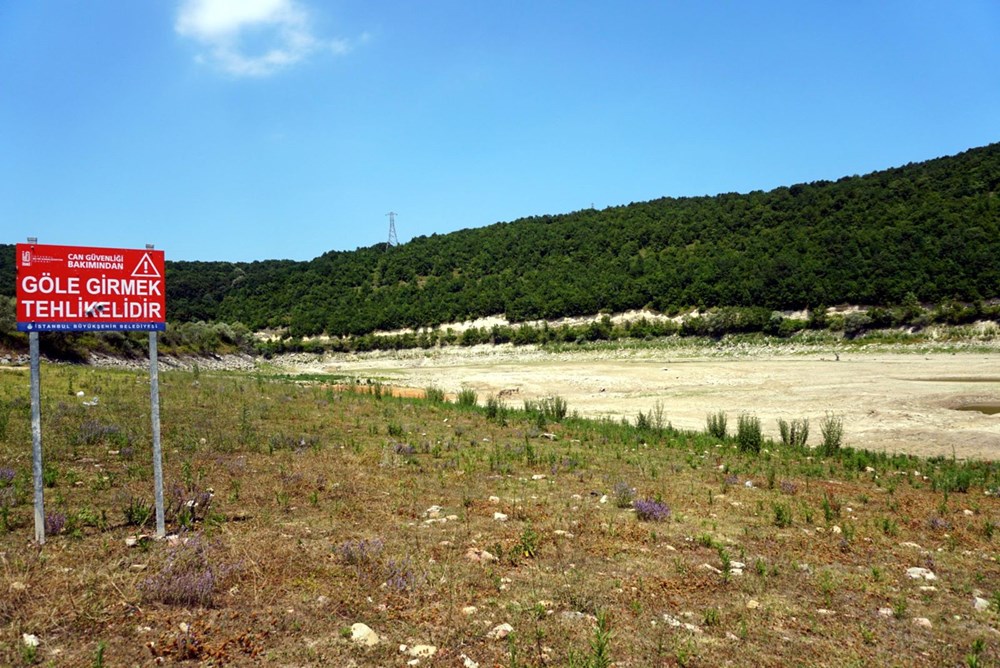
301, 510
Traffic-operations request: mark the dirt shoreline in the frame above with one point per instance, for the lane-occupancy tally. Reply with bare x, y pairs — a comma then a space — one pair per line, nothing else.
896, 400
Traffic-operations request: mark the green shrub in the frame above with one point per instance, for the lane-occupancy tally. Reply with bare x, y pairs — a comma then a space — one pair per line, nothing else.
716, 424
782, 515
4, 417
832, 428
555, 408
794, 434
496, 410
435, 395
467, 397
550, 408
748, 434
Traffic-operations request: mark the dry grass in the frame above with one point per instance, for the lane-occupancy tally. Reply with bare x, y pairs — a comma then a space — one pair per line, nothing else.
322, 517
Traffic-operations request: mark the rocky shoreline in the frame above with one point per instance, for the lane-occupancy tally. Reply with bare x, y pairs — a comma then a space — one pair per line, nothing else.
239, 362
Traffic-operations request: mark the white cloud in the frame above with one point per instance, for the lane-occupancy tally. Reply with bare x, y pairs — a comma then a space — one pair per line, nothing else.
252, 37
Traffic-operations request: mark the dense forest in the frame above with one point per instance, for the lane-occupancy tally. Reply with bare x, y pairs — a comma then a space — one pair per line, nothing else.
927, 231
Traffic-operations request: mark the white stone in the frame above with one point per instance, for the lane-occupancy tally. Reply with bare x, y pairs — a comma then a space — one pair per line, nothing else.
479, 556
752, 604
469, 610
673, 621
362, 634
923, 622
604, 499
500, 631
836, 529
908, 543
494, 499
886, 612
539, 476
30, 640
425, 651
980, 604
468, 663
432, 512
916, 572
500, 517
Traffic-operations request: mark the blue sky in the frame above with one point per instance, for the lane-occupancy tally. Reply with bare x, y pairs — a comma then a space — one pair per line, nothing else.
261, 129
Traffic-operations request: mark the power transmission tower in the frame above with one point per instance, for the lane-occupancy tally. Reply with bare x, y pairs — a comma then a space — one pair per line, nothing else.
393, 241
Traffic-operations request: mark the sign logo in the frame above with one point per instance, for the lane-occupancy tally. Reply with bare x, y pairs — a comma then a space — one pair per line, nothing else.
26, 258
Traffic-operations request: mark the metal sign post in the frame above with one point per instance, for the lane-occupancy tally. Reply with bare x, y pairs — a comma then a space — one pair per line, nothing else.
36, 439
36, 432
154, 398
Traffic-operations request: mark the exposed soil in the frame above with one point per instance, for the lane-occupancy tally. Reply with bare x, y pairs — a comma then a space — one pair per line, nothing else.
898, 401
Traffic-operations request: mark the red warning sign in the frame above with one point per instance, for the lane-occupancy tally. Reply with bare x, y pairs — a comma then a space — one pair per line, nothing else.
76, 288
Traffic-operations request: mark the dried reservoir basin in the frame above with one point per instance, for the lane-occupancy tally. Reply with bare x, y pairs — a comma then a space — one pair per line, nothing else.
938, 403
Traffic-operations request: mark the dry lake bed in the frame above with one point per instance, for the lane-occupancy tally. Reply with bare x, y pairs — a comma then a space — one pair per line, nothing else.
927, 402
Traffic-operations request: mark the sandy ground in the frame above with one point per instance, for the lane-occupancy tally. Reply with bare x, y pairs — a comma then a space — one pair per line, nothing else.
894, 401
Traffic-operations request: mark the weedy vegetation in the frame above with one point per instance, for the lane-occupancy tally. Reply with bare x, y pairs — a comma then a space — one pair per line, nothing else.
297, 508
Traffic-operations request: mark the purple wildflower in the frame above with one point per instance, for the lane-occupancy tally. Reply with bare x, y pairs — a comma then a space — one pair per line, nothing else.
357, 552
403, 449
651, 510
939, 524
400, 576
623, 493
54, 523
789, 487
188, 575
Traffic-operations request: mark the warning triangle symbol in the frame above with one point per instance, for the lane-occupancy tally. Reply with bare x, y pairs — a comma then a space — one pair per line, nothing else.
146, 268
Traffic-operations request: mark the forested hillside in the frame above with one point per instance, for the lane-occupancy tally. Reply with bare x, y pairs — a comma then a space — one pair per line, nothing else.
929, 230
